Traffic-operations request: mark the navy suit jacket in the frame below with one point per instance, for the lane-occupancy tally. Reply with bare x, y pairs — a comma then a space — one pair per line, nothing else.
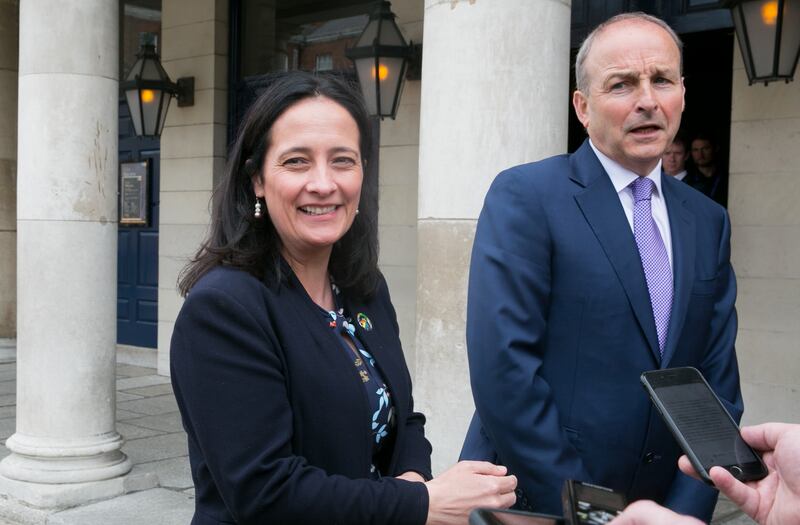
277, 418
560, 327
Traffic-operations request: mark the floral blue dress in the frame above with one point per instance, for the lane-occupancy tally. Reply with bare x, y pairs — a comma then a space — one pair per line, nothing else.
382, 410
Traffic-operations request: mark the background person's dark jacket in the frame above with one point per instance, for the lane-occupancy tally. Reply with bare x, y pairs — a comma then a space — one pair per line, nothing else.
276, 414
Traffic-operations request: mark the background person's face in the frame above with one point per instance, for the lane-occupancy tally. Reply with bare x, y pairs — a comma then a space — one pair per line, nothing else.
674, 159
633, 108
702, 152
311, 177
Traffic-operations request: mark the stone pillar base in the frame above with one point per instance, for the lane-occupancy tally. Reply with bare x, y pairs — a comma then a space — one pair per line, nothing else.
41, 461
26, 502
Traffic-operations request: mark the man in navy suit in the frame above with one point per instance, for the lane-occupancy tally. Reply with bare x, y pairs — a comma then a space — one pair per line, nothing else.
589, 269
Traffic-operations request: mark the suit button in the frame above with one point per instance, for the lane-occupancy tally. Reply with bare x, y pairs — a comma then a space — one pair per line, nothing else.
649, 457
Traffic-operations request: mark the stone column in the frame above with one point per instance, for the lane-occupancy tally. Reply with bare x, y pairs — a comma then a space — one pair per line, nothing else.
9, 23
65, 442
495, 94
193, 144
765, 220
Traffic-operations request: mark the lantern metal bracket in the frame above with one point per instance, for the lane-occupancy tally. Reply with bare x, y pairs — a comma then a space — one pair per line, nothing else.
414, 70
184, 91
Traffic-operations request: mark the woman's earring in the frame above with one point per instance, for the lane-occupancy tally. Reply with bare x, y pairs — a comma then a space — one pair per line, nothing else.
257, 213
356, 211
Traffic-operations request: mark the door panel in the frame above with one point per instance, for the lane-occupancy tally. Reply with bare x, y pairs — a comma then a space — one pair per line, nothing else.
137, 252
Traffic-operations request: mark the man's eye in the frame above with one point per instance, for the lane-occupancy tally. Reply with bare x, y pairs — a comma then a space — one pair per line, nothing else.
661, 80
618, 86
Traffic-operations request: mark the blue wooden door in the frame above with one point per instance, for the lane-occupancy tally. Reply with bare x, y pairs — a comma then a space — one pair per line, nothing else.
137, 251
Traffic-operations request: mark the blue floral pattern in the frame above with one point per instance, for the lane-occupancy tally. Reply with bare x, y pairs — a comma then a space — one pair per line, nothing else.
382, 420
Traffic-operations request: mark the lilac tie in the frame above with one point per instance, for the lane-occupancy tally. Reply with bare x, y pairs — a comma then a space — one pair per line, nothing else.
655, 260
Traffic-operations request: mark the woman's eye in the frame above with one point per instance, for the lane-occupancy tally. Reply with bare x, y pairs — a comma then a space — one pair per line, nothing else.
294, 161
344, 161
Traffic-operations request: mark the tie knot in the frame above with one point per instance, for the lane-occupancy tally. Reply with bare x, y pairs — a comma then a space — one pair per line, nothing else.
642, 188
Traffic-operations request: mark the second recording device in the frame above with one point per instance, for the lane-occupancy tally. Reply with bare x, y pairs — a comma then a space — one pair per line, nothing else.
699, 422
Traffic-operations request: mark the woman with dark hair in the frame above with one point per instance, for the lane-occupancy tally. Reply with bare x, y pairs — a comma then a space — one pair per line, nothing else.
286, 359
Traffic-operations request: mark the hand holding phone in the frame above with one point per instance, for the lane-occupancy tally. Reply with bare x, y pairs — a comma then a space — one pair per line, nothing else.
700, 424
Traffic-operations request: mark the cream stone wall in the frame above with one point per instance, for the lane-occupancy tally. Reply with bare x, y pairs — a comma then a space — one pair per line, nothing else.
399, 154
9, 50
765, 218
193, 144
488, 102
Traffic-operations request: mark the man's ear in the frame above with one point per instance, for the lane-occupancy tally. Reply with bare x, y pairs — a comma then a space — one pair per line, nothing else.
581, 105
683, 95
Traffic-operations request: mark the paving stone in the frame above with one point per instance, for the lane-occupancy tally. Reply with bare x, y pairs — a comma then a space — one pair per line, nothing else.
151, 406
133, 371
156, 448
173, 474
7, 427
141, 381
161, 506
124, 415
169, 422
126, 396
129, 431
152, 391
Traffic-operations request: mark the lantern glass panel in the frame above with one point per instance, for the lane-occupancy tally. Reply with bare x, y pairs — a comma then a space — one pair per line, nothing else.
165, 101
390, 35
790, 37
132, 96
151, 70
364, 68
740, 26
154, 102
391, 83
761, 22
369, 34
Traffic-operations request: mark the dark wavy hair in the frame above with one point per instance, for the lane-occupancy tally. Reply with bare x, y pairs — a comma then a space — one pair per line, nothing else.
239, 240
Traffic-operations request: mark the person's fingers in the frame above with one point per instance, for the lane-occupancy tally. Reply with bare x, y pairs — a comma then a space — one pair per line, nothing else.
504, 501
507, 484
686, 467
740, 494
765, 436
483, 467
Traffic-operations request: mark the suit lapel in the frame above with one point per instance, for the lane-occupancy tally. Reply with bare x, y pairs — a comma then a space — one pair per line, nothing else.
600, 206
682, 226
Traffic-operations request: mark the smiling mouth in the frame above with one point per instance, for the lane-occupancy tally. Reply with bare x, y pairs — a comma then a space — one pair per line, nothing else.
317, 210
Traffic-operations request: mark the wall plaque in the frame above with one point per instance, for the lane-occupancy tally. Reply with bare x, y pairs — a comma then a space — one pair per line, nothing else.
133, 203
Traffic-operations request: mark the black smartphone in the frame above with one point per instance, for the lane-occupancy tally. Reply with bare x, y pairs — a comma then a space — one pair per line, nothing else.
587, 504
700, 424
511, 517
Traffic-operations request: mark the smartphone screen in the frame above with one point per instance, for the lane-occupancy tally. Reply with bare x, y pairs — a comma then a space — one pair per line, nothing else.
700, 422
587, 504
511, 517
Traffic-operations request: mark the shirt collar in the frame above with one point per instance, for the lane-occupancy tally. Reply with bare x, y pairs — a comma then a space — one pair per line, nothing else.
622, 177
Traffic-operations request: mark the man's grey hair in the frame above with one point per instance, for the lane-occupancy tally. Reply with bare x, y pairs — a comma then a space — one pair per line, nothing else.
582, 78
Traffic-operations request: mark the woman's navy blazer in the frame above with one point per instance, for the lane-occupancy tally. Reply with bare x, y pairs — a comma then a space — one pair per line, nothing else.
278, 421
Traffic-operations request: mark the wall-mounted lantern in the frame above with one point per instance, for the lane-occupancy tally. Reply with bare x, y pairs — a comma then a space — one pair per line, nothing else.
382, 60
148, 90
769, 37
